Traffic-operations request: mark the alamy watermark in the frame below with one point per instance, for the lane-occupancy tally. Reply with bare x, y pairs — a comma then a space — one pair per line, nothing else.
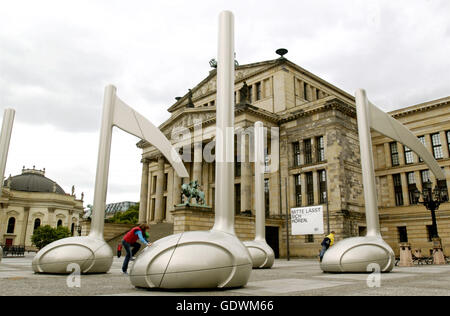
238, 140
74, 279
374, 279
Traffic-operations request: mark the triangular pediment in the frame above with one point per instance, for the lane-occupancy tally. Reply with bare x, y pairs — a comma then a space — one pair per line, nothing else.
208, 86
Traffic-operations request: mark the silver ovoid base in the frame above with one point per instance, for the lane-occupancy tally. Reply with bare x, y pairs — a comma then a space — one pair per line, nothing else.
91, 254
262, 254
197, 259
357, 254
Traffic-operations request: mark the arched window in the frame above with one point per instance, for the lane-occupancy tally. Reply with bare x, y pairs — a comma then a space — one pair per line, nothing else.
11, 225
72, 228
37, 223
59, 223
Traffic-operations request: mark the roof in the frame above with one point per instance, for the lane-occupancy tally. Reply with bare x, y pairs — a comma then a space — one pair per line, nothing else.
32, 180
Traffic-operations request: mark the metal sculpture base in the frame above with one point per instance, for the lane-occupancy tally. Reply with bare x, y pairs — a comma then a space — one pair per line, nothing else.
262, 254
91, 254
356, 254
197, 259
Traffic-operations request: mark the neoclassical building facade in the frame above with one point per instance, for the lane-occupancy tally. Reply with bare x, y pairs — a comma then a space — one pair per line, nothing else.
30, 200
312, 156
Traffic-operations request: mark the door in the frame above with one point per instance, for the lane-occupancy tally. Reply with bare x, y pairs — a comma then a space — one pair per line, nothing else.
272, 238
8, 242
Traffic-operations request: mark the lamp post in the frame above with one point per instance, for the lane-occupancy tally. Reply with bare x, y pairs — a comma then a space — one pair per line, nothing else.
431, 199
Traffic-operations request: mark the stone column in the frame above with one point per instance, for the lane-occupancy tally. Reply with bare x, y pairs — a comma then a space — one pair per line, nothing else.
176, 189
401, 154
159, 202
304, 197
144, 192
404, 189
246, 175
387, 155
313, 150
291, 192
390, 181
26, 213
51, 217
205, 181
316, 187
418, 180
444, 144
197, 172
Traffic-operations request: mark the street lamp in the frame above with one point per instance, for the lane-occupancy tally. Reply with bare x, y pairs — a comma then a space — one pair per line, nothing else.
432, 199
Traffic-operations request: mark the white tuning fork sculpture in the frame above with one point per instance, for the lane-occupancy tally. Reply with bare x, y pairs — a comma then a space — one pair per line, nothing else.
91, 252
214, 258
262, 254
358, 254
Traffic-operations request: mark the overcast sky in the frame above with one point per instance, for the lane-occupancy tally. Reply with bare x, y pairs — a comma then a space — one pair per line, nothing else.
57, 56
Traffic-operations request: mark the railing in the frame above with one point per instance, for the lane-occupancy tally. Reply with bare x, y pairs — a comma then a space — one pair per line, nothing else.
13, 250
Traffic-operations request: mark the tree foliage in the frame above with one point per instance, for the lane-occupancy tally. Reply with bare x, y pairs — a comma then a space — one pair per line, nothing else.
44, 235
130, 216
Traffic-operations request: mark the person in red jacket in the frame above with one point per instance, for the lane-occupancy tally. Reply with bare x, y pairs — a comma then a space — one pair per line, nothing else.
131, 245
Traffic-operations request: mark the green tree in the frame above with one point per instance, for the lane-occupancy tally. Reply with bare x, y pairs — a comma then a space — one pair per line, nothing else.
44, 235
130, 216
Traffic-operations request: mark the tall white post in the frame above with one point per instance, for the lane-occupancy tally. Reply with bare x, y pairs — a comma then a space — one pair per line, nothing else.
260, 212
5, 137
224, 194
104, 153
368, 173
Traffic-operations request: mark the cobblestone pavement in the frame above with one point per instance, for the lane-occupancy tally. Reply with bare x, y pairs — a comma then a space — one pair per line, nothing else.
294, 277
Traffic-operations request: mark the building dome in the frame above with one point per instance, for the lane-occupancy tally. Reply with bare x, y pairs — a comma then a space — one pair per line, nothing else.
33, 180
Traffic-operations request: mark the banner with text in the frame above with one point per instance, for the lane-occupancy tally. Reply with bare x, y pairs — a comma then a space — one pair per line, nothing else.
307, 220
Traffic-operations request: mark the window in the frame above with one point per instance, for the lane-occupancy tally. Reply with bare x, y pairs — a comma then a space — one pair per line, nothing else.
237, 198
258, 91
154, 184
398, 189
166, 177
322, 186
448, 140
305, 89
212, 103
437, 146
402, 234
408, 155
411, 187
362, 231
266, 163
309, 188
266, 196
320, 149
309, 238
425, 175
394, 154
298, 190
11, 225
37, 223
250, 94
237, 167
422, 140
72, 228
296, 148
317, 94
59, 223
308, 152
